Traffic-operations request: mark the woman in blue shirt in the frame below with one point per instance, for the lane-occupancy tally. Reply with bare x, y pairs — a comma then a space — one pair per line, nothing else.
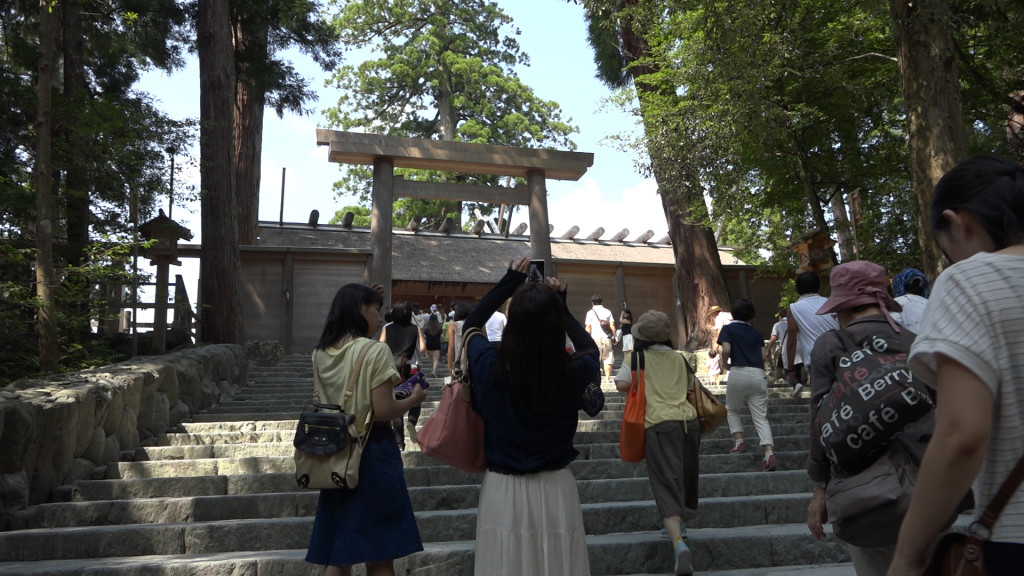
741, 357
530, 389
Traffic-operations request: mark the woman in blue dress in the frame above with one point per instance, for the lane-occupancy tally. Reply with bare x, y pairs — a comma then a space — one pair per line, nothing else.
374, 522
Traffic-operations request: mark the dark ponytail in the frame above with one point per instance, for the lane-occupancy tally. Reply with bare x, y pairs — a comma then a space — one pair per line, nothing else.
991, 190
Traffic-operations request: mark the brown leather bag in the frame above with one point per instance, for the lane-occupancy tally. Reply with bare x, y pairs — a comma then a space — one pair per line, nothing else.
959, 554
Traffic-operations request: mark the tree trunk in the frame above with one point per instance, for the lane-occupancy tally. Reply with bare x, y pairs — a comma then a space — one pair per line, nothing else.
844, 228
700, 283
250, 104
77, 204
937, 136
220, 264
45, 316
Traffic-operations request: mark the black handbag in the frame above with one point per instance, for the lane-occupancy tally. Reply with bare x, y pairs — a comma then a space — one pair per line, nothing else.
328, 447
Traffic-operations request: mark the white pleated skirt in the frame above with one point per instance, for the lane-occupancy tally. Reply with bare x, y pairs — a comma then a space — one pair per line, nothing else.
530, 524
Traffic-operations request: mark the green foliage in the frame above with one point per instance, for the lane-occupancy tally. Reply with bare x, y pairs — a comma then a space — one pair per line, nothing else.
361, 216
772, 108
272, 26
442, 70
109, 145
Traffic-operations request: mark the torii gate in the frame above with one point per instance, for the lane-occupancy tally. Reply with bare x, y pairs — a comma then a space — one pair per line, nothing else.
385, 153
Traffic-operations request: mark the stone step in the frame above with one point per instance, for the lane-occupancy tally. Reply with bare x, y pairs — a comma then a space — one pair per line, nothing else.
443, 496
446, 519
277, 562
219, 497
214, 417
719, 441
625, 553
279, 443
583, 469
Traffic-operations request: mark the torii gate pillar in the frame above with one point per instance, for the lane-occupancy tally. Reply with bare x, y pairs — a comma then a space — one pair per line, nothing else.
381, 220
540, 238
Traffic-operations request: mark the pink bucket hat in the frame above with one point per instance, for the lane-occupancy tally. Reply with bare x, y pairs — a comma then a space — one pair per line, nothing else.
857, 283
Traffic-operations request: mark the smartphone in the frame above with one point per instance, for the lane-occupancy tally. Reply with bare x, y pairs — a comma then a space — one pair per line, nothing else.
536, 273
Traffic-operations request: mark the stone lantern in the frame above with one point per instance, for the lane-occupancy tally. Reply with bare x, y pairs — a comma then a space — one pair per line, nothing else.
162, 254
814, 250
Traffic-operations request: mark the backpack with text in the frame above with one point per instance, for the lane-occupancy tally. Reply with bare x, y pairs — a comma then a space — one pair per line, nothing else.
873, 398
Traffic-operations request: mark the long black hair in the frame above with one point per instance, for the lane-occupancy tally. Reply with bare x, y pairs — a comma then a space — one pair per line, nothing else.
992, 190
532, 358
346, 315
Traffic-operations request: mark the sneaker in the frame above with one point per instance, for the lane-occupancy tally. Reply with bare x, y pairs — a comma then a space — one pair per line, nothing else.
738, 448
683, 565
797, 390
682, 532
411, 429
769, 464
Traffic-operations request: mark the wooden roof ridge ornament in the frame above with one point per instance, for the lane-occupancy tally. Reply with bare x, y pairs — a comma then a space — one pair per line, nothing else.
813, 250
414, 223
620, 236
571, 233
385, 153
478, 228
643, 238
519, 229
666, 239
596, 234
347, 219
447, 226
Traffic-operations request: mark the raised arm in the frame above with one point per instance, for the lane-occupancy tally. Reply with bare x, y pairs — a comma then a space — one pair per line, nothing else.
502, 291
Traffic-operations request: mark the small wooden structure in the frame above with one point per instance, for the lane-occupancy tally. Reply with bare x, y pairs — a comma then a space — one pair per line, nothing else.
162, 254
814, 250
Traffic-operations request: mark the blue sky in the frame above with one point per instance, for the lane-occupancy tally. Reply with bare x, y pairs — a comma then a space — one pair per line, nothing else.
553, 33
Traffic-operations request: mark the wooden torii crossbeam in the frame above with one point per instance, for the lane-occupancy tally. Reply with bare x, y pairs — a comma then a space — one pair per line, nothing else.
385, 153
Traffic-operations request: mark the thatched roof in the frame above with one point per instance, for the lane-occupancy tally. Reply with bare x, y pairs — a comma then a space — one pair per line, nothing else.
463, 257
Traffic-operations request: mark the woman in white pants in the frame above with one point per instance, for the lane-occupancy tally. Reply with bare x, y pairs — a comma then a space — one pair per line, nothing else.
741, 355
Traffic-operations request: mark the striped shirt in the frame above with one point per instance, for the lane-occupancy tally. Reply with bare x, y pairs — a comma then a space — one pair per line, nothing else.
976, 317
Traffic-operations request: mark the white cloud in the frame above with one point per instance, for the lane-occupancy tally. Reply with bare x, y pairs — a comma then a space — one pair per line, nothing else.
586, 205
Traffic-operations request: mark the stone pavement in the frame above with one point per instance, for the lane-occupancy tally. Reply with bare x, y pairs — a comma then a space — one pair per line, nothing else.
218, 498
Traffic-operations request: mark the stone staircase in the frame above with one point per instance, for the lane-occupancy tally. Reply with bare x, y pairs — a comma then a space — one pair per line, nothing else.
218, 497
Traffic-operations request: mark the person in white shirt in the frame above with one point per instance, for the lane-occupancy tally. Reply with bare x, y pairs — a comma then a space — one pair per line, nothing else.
718, 318
601, 332
969, 349
804, 328
911, 290
495, 325
780, 334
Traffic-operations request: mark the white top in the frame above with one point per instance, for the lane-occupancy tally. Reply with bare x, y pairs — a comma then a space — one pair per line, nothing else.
913, 311
804, 311
976, 317
495, 326
593, 320
781, 333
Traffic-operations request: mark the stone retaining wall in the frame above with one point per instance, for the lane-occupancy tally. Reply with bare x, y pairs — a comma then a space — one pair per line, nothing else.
71, 427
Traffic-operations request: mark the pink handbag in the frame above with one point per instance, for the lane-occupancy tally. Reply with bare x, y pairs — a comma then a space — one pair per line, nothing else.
454, 433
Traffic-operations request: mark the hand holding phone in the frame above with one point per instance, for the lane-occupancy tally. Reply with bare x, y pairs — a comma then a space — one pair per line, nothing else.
536, 273
404, 390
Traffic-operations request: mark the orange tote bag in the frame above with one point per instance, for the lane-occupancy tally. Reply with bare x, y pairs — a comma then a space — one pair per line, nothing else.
631, 438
